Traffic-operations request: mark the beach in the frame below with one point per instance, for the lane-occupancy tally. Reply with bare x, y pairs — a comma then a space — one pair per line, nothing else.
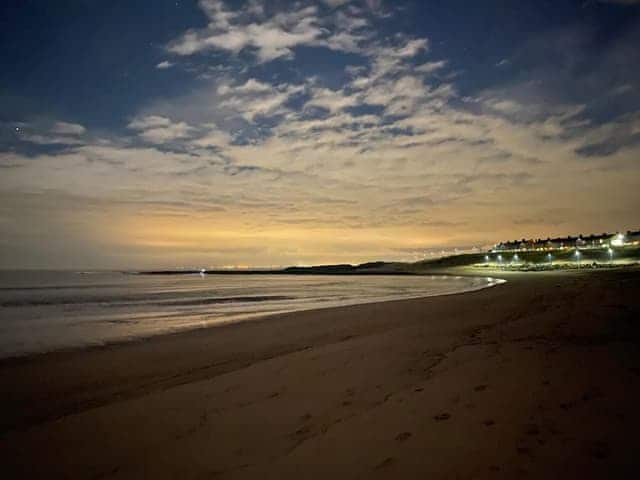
535, 378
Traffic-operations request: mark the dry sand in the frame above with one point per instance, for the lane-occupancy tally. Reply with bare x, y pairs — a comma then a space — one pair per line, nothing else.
537, 378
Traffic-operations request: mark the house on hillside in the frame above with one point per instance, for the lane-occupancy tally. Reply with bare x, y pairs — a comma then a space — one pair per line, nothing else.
603, 240
551, 244
633, 238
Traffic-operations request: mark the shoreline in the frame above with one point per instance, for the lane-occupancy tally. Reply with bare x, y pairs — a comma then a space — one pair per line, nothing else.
416, 384
194, 335
258, 316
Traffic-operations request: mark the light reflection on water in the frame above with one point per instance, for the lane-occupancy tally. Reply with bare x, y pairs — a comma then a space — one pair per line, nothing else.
43, 311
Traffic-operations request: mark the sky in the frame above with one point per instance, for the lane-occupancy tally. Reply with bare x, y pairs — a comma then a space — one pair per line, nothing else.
222, 133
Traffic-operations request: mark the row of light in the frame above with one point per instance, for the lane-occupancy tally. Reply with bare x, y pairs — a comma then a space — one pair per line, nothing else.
516, 258
618, 241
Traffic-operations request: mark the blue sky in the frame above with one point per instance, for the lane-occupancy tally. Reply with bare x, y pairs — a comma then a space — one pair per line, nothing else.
272, 133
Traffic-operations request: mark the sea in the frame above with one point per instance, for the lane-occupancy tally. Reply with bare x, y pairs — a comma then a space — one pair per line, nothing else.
43, 311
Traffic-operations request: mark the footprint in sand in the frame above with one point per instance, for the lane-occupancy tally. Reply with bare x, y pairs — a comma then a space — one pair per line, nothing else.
442, 416
387, 462
401, 437
304, 430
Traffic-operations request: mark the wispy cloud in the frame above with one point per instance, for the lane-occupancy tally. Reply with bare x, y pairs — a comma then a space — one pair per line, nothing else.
48, 133
164, 65
158, 129
64, 128
430, 67
236, 30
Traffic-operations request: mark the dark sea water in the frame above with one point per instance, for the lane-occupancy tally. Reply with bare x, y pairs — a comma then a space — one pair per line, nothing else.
44, 310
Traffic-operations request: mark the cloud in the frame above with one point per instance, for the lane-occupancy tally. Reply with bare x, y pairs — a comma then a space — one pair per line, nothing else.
336, 3
149, 121
250, 86
166, 134
64, 128
332, 100
45, 133
159, 130
236, 31
388, 60
622, 89
411, 48
253, 99
430, 67
213, 137
164, 65
577, 74
609, 139
249, 30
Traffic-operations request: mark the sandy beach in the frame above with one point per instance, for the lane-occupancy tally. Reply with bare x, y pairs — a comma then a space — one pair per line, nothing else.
535, 378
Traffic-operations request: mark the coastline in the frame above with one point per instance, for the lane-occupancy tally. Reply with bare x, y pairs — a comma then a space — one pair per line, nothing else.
260, 315
194, 335
278, 392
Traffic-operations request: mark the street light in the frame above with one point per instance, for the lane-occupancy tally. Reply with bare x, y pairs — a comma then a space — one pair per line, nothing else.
486, 258
578, 257
618, 241
499, 258
610, 252
516, 258
549, 257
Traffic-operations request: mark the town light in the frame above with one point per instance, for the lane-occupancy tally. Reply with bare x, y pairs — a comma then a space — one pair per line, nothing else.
610, 252
486, 258
516, 258
500, 258
618, 241
549, 257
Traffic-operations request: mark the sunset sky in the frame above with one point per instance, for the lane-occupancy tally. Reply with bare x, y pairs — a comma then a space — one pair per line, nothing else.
137, 134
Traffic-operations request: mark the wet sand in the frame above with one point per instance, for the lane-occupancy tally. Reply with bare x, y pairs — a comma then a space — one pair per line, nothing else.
537, 378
